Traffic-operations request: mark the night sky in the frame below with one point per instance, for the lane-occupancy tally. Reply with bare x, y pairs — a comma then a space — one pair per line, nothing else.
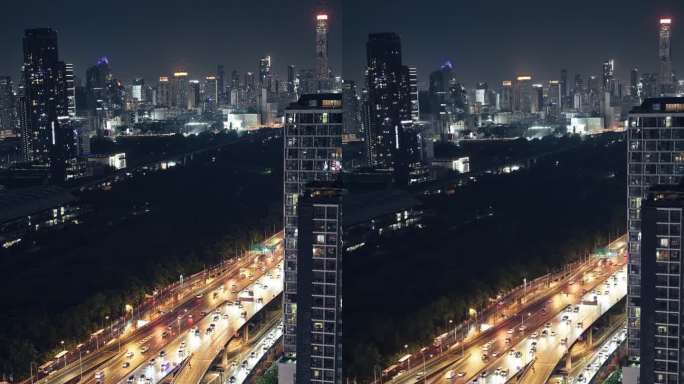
151, 37
486, 40
494, 40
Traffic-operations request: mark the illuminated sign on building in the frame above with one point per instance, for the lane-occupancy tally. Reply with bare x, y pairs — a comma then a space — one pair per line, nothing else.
674, 107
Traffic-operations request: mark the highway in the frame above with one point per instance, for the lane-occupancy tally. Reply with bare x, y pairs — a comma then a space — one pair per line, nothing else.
486, 349
197, 346
264, 290
244, 362
585, 372
583, 315
545, 343
173, 319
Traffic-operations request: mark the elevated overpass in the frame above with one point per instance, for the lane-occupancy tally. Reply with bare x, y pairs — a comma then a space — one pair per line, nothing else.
566, 328
205, 347
164, 322
587, 370
505, 341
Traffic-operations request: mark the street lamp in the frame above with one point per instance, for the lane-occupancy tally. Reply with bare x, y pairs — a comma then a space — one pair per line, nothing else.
62, 343
408, 362
31, 369
451, 322
80, 364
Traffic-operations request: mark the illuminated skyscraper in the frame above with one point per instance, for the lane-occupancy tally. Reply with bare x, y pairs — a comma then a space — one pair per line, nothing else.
634, 88
8, 113
220, 96
565, 101
98, 78
138, 90
265, 75
388, 98
665, 79
179, 90
164, 92
522, 94
481, 93
70, 89
44, 94
507, 96
212, 94
194, 97
608, 73
352, 111
250, 87
413, 93
291, 81
564, 83
555, 97
322, 69
537, 104
234, 79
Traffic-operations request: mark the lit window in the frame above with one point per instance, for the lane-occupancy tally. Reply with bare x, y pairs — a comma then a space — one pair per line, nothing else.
664, 242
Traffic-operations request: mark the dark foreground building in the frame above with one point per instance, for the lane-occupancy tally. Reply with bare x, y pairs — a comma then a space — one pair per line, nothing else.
655, 156
661, 284
319, 282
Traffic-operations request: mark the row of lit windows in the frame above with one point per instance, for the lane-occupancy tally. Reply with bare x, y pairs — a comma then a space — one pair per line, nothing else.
657, 122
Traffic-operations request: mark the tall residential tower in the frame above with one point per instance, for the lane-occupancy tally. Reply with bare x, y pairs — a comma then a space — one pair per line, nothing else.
655, 156
313, 152
661, 277
319, 284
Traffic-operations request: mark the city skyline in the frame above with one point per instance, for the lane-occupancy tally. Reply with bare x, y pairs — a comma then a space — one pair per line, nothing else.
209, 172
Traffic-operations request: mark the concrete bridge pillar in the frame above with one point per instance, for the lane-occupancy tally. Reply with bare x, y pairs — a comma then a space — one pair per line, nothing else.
590, 338
568, 362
